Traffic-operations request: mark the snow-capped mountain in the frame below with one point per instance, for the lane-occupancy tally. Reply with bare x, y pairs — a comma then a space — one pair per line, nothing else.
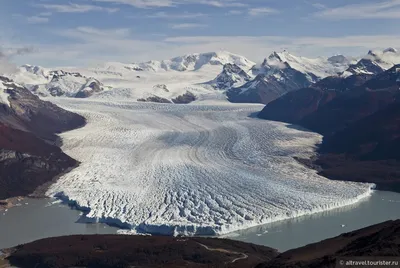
200, 74
266, 87
6, 86
374, 62
189, 62
231, 75
196, 61
283, 72
45, 82
314, 69
339, 60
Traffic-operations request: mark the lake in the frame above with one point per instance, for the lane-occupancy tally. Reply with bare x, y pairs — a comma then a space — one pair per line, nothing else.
40, 218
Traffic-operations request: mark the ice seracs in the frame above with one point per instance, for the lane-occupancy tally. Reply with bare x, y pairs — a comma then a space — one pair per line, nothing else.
199, 169
204, 168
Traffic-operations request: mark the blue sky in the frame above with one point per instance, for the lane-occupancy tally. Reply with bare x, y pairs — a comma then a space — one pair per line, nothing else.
84, 32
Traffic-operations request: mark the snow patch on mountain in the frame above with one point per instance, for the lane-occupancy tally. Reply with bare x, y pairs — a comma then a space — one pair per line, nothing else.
7, 86
4, 95
314, 69
189, 62
283, 72
47, 82
231, 75
375, 62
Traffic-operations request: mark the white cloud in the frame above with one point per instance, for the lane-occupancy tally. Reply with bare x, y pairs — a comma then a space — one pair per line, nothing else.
45, 14
319, 6
261, 11
220, 3
169, 3
379, 10
369, 41
76, 8
92, 45
37, 20
90, 33
141, 3
6, 66
187, 25
235, 12
184, 15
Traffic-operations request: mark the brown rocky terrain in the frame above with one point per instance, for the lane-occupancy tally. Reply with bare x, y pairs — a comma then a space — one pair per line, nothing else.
185, 98
29, 155
152, 251
138, 251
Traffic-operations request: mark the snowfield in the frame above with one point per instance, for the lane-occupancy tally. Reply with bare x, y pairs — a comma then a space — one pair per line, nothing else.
207, 168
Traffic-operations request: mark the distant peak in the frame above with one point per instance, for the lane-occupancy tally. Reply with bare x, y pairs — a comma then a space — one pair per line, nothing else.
338, 59
372, 53
390, 50
232, 68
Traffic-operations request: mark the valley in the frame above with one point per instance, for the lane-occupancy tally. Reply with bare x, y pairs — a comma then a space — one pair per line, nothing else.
175, 148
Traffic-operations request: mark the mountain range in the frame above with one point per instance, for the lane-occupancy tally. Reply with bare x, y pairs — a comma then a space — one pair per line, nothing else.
240, 79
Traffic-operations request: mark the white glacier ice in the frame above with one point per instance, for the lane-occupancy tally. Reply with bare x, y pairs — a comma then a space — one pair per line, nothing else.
207, 168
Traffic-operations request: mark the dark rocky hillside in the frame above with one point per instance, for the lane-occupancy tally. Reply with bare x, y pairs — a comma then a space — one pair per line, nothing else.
29, 155
360, 122
138, 251
152, 251
374, 241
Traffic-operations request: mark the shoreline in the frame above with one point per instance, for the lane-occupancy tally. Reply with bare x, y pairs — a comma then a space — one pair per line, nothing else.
125, 250
38, 193
169, 230
10, 202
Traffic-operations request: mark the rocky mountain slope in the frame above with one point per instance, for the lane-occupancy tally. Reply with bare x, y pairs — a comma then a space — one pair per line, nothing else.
230, 76
28, 127
269, 86
358, 115
153, 251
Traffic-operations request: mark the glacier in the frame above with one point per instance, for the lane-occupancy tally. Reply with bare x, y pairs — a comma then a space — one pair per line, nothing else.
207, 168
